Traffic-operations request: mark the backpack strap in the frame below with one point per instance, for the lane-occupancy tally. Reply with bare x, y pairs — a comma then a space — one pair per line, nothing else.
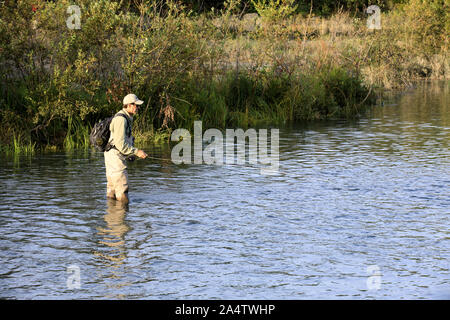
109, 146
128, 123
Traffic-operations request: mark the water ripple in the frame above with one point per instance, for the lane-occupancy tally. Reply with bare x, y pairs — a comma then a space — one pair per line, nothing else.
349, 195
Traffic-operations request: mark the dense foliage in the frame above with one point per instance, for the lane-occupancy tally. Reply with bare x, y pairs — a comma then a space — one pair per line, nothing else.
57, 80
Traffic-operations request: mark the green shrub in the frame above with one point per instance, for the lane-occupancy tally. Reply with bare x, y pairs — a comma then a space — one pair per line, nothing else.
426, 24
273, 10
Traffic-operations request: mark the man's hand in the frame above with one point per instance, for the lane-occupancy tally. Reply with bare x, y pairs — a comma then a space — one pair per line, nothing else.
141, 154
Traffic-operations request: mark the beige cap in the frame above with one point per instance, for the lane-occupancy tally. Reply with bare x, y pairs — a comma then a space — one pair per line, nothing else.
131, 98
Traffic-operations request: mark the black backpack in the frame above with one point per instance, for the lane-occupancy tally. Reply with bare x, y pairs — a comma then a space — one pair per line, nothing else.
100, 133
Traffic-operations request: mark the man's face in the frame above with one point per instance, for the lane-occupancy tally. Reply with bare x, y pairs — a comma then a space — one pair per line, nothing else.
132, 109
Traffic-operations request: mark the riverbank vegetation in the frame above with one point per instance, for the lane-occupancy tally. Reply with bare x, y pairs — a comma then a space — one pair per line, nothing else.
230, 64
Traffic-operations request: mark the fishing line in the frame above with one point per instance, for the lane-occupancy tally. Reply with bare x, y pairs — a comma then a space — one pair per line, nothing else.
243, 166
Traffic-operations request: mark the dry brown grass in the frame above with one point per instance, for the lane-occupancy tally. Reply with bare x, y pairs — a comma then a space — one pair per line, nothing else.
387, 58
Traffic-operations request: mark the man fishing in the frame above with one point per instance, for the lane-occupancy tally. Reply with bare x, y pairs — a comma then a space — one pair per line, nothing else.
121, 147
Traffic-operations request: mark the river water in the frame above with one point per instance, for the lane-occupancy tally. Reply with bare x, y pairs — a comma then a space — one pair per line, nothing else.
359, 210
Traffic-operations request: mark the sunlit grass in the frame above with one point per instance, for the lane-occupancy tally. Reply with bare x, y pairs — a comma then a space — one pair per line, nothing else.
77, 136
21, 146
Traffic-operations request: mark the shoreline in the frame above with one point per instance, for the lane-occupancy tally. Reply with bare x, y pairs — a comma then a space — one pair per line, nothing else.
215, 68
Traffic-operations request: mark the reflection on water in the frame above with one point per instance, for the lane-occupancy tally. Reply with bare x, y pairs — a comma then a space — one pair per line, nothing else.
112, 249
114, 233
351, 197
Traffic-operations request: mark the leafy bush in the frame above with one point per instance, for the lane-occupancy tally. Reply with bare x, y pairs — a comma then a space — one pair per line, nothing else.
274, 10
427, 24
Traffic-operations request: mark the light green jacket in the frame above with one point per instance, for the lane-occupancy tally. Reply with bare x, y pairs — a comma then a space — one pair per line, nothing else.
119, 138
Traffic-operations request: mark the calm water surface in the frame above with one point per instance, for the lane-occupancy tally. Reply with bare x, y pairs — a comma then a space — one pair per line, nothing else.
359, 210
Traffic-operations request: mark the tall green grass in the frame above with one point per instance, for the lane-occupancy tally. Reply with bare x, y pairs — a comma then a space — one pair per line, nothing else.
245, 100
19, 145
77, 136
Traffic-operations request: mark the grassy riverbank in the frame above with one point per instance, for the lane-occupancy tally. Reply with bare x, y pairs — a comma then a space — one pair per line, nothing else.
224, 67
